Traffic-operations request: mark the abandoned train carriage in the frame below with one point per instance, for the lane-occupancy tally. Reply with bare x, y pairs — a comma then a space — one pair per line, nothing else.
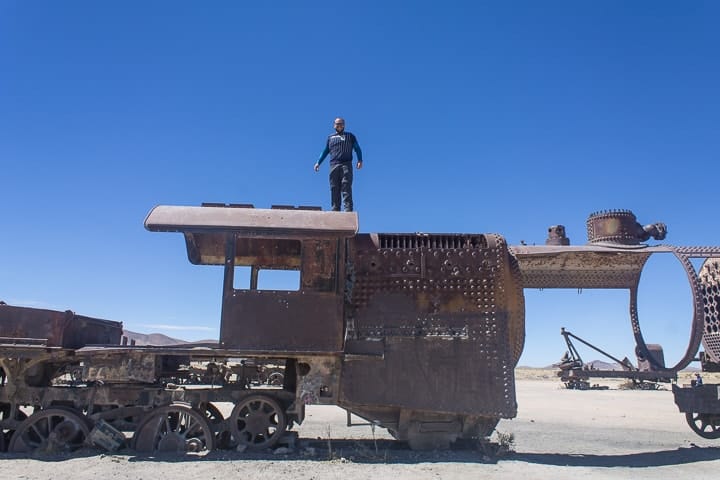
416, 333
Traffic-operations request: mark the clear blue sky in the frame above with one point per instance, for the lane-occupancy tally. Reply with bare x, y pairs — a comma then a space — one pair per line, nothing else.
473, 116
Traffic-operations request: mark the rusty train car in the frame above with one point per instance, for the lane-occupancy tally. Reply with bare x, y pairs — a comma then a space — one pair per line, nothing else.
416, 333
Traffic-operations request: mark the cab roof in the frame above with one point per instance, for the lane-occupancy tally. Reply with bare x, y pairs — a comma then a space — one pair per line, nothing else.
205, 227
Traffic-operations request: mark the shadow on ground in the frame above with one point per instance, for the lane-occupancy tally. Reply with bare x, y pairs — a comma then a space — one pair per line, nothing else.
392, 452
680, 456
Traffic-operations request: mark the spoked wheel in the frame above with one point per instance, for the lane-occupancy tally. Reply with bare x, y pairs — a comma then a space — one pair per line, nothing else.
5, 414
174, 428
52, 430
258, 422
216, 420
4, 435
706, 425
8, 412
213, 414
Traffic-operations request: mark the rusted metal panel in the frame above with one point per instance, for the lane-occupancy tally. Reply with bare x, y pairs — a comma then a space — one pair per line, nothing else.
436, 374
448, 311
580, 266
709, 278
322, 266
613, 258
282, 321
56, 329
209, 249
128, 367
433, 285
253, 222
318, 380
307, 320
701, 399
260, 252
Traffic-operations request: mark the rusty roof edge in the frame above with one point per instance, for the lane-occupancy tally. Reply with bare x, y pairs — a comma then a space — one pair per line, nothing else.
523, 250
254, 222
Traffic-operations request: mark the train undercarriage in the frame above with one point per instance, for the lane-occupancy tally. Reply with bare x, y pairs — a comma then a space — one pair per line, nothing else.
183, 399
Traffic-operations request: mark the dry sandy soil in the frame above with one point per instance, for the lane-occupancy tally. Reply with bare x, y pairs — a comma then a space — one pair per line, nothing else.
558, 434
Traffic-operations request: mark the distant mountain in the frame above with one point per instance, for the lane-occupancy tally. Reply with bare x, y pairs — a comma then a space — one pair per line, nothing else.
160, 340
157, 339
600, 365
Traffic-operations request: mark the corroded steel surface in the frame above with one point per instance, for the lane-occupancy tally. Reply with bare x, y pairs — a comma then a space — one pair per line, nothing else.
55, 329
620, 227
448, 313
282, 322
557, 236
704, 399
614, 258
709, 277
582, 266
306, 319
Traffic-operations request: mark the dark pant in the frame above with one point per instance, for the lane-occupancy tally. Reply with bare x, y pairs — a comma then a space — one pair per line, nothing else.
341, 177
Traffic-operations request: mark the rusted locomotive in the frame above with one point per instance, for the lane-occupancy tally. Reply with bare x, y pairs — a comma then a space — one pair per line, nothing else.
417, 333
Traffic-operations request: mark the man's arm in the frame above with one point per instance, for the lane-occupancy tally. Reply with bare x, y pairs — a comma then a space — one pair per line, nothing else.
358, 152
322, 157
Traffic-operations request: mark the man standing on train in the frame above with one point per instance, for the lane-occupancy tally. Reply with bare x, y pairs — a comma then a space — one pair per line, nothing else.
340, 146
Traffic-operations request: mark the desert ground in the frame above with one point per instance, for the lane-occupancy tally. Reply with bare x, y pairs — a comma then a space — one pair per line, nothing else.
558, 434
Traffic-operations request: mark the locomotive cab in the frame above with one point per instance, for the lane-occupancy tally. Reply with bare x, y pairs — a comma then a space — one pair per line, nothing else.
284, 276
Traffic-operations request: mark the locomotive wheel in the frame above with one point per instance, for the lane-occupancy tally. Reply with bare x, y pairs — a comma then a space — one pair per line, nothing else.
212, 414
5, 413
258, 422
53, 430
174, 428
704, 424
4, 435
216, 420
